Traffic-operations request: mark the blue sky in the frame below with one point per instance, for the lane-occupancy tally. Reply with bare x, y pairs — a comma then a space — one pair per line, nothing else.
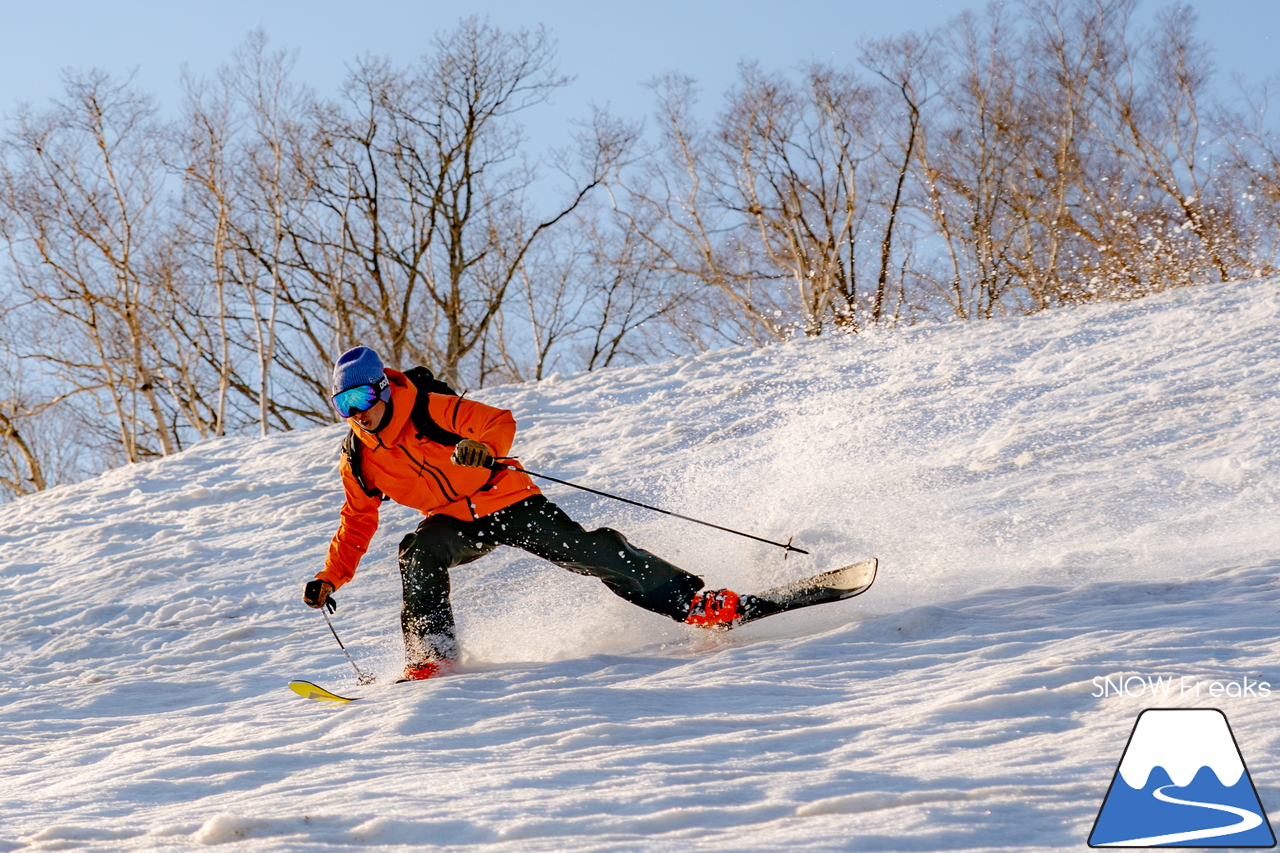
612, 48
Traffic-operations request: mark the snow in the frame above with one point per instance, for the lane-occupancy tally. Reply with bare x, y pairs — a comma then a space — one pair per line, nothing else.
1075, 515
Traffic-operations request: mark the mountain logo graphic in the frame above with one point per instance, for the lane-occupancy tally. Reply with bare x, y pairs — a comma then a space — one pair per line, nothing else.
1182, 782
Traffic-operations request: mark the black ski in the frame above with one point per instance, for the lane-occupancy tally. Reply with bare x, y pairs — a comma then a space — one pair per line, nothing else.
834, 585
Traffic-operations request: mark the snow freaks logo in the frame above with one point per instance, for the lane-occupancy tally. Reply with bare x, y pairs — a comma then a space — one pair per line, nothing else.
1181, 782
1161, 686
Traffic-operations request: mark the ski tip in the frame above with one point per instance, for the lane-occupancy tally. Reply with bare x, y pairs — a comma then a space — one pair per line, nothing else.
860, 576
307, 690
857, 575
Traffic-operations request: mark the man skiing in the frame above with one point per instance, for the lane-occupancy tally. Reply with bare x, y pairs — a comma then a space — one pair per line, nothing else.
470, 508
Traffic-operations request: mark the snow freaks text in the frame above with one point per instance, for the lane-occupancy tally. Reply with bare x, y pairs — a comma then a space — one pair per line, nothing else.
1182, 687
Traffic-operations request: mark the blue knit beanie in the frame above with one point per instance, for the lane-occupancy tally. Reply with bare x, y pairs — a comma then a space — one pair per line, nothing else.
359, 366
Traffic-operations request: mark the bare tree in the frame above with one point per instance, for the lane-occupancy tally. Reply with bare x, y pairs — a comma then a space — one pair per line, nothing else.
248, 147
82, 192
584, 299
422, 168
22, 468
672, 201
170, 281
796, 158
205, 138
1173, 219
631, 302
908, 67
273, 192
1064, 51
762, 214
1254, 147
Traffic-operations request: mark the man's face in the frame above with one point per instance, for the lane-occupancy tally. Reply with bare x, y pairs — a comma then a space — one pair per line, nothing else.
370, 420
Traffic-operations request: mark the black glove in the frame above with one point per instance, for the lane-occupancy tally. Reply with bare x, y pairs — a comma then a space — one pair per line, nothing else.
472, 454
316, 594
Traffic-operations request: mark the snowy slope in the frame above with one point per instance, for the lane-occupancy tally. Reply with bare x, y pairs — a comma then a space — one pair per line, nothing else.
1057, 500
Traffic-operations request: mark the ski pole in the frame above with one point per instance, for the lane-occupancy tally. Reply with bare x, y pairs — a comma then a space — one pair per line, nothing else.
786, 545
361, 677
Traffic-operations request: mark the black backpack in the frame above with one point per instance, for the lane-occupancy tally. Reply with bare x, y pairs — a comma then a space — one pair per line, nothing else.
420, 417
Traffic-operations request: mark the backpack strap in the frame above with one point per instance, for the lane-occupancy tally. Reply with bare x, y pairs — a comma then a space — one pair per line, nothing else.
421, 414
352, 450
426, 425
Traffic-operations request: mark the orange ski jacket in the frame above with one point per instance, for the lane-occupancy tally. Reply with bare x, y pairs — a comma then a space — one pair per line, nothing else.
416, 472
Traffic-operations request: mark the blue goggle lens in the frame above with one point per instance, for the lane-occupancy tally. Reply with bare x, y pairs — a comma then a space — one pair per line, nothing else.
361, 398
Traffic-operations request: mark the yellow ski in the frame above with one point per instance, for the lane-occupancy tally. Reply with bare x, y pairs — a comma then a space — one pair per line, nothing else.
307, 690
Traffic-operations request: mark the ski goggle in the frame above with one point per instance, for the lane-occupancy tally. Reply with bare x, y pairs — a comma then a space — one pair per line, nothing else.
361, 398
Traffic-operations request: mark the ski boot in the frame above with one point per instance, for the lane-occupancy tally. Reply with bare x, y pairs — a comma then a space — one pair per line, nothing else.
724, 608
713, 608
424, 670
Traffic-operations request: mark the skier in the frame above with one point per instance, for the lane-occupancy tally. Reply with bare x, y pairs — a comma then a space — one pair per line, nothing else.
470, 508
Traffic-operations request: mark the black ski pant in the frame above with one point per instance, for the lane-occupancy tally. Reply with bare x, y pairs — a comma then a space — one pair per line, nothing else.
540, 527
